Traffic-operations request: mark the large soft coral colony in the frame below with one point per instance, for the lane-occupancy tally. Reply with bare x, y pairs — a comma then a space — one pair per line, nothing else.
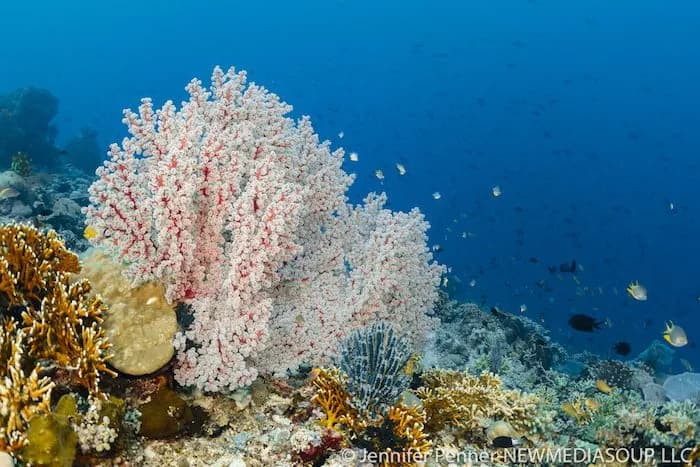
239, 211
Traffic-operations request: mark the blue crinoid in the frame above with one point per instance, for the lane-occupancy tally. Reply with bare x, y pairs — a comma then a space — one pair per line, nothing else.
375, 359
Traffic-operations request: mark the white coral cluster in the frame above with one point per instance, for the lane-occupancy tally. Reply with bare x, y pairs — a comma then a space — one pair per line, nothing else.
94, 433
241, 212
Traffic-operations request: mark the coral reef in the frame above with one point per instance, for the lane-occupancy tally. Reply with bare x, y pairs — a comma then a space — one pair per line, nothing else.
458, 400
374, 361
516, 348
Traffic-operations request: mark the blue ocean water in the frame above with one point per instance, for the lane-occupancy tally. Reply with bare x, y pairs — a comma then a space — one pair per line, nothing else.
584, 113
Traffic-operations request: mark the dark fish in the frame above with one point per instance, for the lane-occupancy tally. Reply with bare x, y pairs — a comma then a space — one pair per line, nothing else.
44, 212
622, 348
63, 152
584, 323
534, 260
570, 267
503, 442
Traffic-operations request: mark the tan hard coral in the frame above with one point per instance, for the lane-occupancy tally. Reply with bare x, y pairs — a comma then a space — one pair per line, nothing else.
469, 404
139, 321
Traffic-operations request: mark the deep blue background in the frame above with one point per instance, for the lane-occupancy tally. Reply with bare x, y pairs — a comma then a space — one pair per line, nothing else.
586, 113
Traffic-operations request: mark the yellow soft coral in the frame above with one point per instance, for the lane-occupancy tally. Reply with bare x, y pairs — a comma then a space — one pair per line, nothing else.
468, 403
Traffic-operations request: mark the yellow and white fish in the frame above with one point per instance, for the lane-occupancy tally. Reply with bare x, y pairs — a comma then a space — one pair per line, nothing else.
401, 168
637, 291
8, 192
437, 195
354, 157
496, 191
603, 386
675, 335
89, 233
379, 173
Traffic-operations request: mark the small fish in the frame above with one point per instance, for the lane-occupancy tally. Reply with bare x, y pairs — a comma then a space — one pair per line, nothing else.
437, 195
622, 348
354, 157
379, 173
592, 404
505, 442
523, 308
411, 364
89, 233
568, 267
584, 323
437, 248
151, 300
341, 135
603, 386
637, 291
675, 335
401, 168
496, 191
8, 192
444, 281
472, 283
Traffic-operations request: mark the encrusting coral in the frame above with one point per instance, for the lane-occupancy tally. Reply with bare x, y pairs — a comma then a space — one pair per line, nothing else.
468, 403
48, 323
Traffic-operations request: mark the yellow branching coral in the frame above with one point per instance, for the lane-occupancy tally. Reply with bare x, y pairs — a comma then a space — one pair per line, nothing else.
468, 403
65, 329
333, 399
59, 320
29, 261
21, 396
408, 425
